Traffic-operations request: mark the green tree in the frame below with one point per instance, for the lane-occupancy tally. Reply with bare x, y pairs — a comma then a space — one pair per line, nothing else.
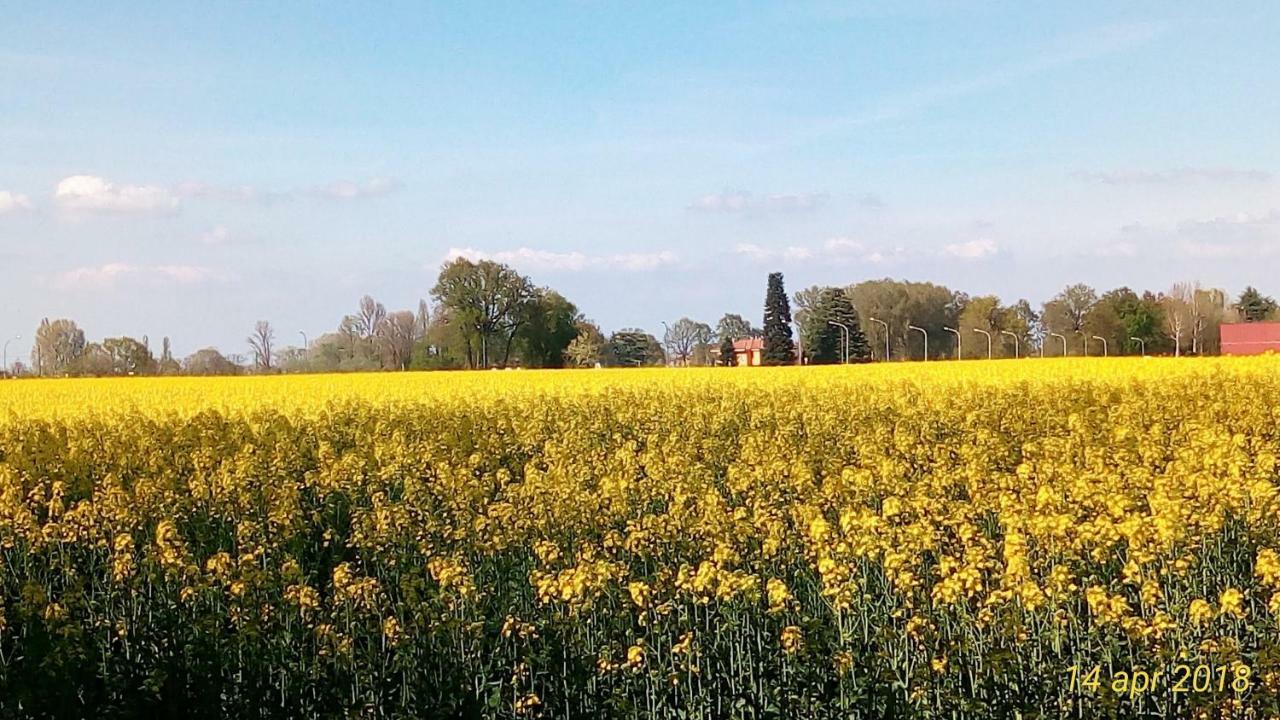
129, 356
823, 342
58, 345
734, 327
588, 347
209, 361
1253, 306
487, 301
1065, 314
982, 313
899, 303
550, 326
779, 347
1122, 314
635, 348
727, 356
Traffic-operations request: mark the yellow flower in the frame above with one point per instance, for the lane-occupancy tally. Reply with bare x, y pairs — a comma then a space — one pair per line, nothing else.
635, 656
528, 704
791, 639
392, 631
1231, 602
122, 557
1267, 567
685, 645
778, 594
1200, 612
640, 593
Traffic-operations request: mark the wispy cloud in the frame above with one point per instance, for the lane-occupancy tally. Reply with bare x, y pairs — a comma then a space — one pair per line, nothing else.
972, 249
1063, 52
229, 193
13, 202
1176, 176
347, 190
545, 260
836, 251
93, 193
110, 275
745, 202
1226, 237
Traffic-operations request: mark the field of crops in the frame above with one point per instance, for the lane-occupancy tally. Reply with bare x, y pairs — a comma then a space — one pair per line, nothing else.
1080, 537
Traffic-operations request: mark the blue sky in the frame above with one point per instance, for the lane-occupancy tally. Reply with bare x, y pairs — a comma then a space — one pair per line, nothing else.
187, 169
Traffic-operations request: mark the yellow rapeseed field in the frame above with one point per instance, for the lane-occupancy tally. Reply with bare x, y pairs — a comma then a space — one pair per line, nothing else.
1084, 537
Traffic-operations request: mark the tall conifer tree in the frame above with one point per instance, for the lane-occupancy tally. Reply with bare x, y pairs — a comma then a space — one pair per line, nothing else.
779, 348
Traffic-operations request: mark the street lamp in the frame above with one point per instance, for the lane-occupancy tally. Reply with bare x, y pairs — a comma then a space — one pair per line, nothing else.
926, 339
1063, 338
886, 336
957, 332
1143, 343
1104, 344
845, 333
4, 369
984, 332
305, 344
1015, 342
1086, 341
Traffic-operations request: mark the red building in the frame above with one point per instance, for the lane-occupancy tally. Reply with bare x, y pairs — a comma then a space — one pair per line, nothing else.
748, 351
1250, 338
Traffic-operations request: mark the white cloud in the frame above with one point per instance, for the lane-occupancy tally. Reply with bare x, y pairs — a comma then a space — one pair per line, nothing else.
842, 245
642, 261
1176, 176
743, 202
972, 249
545, 260
346, 190
89, 192
837, 250
111, 274
12, 202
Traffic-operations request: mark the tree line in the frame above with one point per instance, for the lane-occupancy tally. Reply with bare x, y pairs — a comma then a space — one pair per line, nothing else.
481, 314
485, 314
903, 320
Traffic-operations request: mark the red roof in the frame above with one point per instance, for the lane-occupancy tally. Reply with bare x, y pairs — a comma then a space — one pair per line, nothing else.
748, 344
1250, 338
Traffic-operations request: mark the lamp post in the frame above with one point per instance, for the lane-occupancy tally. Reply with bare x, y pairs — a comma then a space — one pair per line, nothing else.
1063, 338
984, 332
1142, 343
1104, 344
844, 332
1016, 344
886, 336
4, 369
957, 332
1085, 338
926, 339
305, 344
